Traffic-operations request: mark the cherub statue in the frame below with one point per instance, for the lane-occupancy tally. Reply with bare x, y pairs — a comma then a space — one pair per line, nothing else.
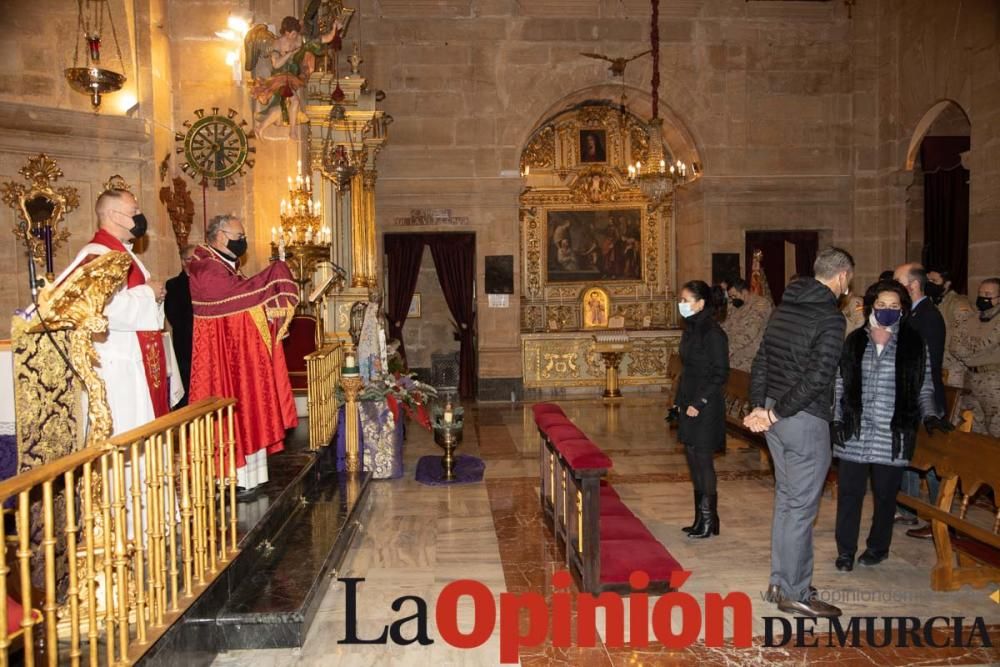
280, 67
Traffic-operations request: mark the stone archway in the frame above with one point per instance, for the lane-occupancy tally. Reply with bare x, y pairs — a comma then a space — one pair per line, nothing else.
945, 119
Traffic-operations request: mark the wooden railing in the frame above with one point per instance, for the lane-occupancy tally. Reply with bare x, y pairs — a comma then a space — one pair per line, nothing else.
323, 369
112, 543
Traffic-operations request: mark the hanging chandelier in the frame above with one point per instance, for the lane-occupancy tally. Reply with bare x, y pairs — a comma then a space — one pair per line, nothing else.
337, 159
93, 79
658, 177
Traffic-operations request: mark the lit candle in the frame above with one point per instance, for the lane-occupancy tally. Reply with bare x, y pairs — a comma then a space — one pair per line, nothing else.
449, 414
274, 234
308, 183
289, 183
298, 181
298, 167
316, 207
310, 206
527, 170
638, 167
284, 207
671, 169
663, 166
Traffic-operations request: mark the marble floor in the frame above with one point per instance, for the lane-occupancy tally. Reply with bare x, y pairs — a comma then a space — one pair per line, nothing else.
419, 538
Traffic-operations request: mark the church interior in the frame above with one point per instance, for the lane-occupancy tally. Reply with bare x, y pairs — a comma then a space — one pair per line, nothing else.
396, 218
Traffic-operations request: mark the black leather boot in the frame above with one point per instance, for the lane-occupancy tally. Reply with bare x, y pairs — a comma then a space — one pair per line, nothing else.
708, 516
697, 515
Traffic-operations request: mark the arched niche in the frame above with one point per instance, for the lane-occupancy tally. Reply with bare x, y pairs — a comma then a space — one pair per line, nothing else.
944, 112
574, 163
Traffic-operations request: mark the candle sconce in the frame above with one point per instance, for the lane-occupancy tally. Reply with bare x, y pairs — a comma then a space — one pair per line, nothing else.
40, 209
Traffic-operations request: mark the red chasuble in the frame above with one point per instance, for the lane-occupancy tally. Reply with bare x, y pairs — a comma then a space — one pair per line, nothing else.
236, 352
154, 356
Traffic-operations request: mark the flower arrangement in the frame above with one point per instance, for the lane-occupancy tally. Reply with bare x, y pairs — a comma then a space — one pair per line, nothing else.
398, 390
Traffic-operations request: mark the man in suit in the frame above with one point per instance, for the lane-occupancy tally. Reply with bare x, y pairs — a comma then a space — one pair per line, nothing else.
927, 320
178, 309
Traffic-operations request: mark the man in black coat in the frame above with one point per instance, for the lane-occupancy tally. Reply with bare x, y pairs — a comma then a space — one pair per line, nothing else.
927, 320
929, 323
791, 390
177, 307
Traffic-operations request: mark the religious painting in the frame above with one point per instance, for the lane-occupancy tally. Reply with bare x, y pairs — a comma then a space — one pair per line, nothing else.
593, 146
414, 310
596, 306
596, 244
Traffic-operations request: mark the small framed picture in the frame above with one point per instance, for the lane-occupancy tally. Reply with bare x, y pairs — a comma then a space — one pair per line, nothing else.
414, 306
593, 146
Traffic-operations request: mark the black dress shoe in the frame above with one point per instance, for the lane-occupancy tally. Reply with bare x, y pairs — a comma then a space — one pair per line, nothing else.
870, 558
845, 562
814, 608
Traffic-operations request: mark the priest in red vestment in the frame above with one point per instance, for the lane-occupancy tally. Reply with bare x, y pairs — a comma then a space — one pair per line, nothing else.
133, 361
236, 350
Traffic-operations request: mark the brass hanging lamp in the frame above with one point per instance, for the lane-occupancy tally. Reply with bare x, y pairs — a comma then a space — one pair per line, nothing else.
93, 79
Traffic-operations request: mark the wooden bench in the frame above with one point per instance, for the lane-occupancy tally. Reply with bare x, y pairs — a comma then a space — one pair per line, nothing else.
967, 553
604, 541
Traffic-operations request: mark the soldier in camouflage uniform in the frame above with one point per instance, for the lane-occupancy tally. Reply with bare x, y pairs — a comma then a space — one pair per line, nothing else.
745, 323
950, 304
976, 343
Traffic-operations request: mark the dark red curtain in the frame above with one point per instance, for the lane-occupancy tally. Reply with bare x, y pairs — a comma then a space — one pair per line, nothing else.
946, 207
455, 259
403, 253
773, 246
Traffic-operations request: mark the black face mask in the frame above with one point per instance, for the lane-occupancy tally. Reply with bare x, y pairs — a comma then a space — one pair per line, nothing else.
139, 226
934, 291
737, 303
984, 303
237, 246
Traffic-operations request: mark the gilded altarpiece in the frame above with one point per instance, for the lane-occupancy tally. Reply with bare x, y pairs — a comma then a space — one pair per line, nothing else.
583, 224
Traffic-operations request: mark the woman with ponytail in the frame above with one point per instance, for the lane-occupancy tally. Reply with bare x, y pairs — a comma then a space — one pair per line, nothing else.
704, 352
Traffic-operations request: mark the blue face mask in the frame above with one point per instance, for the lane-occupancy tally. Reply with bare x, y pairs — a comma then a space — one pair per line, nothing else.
685, 308
886, 317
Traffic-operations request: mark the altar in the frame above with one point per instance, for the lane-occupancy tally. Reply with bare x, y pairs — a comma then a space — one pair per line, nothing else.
560, 360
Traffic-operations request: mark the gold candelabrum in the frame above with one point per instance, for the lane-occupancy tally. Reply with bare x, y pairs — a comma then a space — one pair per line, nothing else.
302, 240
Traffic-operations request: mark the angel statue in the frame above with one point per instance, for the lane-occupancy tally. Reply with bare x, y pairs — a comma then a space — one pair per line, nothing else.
280, 67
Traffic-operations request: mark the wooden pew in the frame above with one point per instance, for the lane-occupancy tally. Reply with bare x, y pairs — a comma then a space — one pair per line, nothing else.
967, 553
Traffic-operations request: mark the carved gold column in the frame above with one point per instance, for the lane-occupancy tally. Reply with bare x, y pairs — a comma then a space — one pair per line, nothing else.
370, 238
352, 386
359, 245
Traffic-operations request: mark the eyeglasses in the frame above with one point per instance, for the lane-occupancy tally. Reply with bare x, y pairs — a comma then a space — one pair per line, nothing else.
230, 235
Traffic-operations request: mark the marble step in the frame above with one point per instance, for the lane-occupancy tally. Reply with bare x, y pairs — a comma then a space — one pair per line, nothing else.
274, 606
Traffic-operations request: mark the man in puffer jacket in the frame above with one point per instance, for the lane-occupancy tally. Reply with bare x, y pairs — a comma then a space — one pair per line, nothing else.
791, 389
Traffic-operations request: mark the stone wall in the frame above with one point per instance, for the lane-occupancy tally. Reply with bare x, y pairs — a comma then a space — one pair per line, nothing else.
758, 93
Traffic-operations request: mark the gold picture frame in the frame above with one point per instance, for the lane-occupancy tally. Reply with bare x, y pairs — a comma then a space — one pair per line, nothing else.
596, 308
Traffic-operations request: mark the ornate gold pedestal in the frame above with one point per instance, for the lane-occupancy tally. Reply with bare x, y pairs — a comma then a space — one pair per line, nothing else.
448, 437
352, 386
611, 362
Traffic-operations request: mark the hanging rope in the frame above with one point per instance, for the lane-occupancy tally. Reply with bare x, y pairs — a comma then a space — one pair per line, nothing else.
654, 44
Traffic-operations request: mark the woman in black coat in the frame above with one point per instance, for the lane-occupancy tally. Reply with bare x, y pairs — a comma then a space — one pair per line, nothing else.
704, 352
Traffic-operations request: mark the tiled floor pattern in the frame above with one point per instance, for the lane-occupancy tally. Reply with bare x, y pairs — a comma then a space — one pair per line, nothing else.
418, 538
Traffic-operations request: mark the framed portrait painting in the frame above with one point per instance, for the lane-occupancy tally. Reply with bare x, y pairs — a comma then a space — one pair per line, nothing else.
593, 146
594, 245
